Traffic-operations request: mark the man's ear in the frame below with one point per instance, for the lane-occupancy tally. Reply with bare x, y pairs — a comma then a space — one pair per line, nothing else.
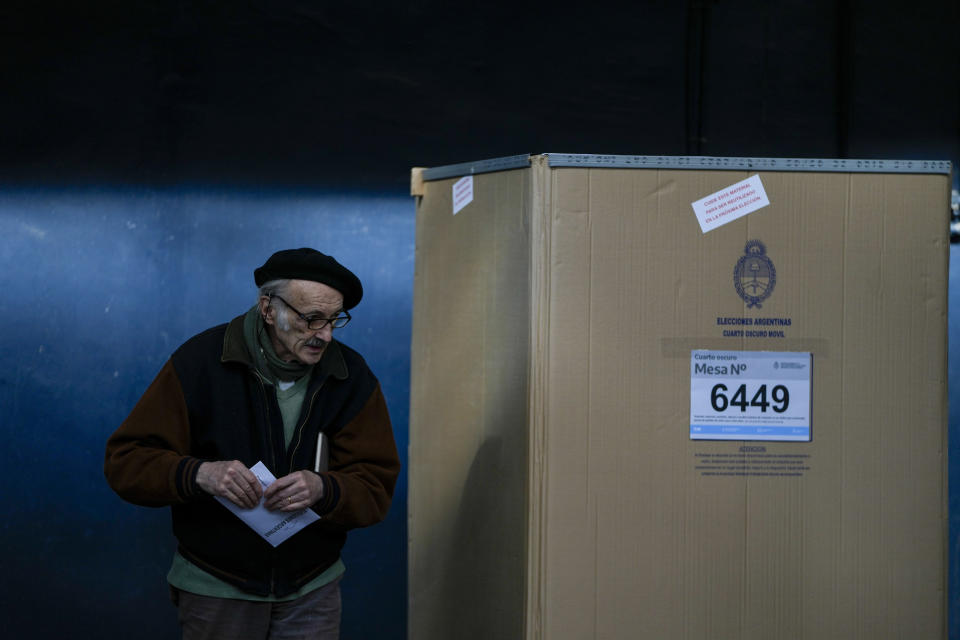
267, 312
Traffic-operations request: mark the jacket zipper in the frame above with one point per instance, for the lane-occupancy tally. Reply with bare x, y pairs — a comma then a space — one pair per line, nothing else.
273, 457
269, 425
306, 419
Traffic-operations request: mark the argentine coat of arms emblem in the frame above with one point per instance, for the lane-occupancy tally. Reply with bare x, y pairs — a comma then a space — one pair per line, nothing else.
754, 276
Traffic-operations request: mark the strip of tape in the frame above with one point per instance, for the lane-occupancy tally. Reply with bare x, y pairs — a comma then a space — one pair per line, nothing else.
462, 193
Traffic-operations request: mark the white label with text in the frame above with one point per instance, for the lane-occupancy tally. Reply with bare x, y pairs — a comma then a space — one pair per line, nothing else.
731, 203
750, 395
462, 193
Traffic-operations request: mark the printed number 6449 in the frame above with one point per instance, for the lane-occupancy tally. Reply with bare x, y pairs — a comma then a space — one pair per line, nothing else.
779, 398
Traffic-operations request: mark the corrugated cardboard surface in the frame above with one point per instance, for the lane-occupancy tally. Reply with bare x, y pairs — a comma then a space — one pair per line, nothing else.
626, 535
470, 361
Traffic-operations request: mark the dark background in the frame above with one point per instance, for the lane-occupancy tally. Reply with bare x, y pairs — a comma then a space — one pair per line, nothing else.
153, 153
317, 93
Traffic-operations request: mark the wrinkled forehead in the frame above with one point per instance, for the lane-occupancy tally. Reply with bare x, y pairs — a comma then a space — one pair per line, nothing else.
308, 295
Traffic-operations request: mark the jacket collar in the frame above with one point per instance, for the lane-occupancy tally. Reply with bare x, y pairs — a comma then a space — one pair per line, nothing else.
235, 350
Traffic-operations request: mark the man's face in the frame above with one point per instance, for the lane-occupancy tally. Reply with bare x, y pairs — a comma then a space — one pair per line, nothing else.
298, 342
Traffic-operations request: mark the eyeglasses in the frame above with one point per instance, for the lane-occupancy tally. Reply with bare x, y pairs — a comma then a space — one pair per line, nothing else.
315, 323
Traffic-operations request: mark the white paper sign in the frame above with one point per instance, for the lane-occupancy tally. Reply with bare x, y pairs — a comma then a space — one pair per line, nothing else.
462, 193
273, 526
731, 203
750, 395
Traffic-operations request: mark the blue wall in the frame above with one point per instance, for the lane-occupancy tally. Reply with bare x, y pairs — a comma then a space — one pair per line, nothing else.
99, 286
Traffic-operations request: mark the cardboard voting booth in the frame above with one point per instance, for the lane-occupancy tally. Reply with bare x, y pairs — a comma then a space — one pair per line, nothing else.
679, 397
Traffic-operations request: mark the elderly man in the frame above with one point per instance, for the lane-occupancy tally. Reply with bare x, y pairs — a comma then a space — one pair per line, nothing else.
271, 386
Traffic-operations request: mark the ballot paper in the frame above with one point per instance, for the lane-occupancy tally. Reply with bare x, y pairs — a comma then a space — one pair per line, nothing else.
273, 526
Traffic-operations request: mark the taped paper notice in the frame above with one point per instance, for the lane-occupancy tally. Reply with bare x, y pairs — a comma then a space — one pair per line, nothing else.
750, 395
731, 203
462, 193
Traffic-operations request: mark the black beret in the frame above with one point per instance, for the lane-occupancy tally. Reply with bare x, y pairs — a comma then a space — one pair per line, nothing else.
310, 264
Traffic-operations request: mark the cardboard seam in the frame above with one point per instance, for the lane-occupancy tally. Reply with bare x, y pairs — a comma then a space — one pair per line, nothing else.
838, 575
591, 497
536, 472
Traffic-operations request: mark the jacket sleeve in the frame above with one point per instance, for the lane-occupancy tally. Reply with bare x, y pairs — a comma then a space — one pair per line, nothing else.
147, 458
363, 467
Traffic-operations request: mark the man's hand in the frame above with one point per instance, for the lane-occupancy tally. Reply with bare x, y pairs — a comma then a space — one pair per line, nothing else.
231, 480
296, 491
